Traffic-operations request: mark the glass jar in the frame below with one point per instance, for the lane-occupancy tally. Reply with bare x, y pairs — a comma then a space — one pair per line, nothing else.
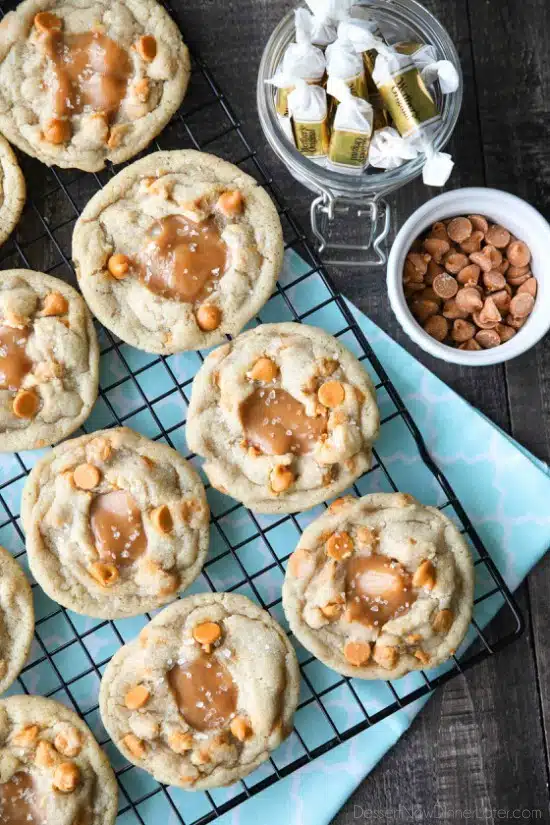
339, 194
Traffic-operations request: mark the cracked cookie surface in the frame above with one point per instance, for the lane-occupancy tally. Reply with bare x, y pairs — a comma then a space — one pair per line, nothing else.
49, 360
116, 525
86, 81
12, 190
285, 417
178, 250
52, 771
205, 692
380, 586
16, 620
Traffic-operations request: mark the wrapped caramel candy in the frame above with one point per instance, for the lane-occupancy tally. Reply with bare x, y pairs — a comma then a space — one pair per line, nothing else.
324, 19
345, 64
410, 104
425, 58
366, 38
307, 105
388, 150
351, 130
301, 60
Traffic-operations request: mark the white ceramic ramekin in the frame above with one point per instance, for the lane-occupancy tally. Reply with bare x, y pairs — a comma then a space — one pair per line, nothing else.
523, 221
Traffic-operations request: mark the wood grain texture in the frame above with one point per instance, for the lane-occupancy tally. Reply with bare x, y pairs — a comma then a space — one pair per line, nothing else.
481, 742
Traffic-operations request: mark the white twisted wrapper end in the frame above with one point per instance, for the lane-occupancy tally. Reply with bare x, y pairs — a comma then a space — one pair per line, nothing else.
438, 167
388, 150
445, 72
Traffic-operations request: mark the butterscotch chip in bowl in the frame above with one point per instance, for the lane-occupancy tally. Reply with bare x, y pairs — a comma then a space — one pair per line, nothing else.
285, 417
177, 251
82, 84
60, 775
404, 587
109, 534
49, 360
16, 619
211, 715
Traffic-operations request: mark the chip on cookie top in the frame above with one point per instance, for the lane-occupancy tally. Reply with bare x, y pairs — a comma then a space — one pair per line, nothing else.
12, 190
285, 417
115, 524
204, 693
16, 620
178, 250
53, 770
49, 360
380, 586
82, 83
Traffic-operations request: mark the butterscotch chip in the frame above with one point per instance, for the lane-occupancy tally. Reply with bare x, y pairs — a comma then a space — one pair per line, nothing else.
468, 299
505, 333
68, 742
433, 271
514, 322
424, 309
483, 322
26, 737
443, 621
469, 276
439, 231
66, 777
419, 261
357, 653
385, 656
146, 47
519, 281
473, 243
522, 305
231, 203
470, 346
459, 229
451, 310
445, 286
454, 262
332, 610
207, 633
437, 327
240, 728
134, 745
490, 313
86, 476
281, 478
530, 287
422, 656
180, 742
137, 697
46, 755
46, 22
462, 331
55, 304
436, 248
331, 394
518, 271
482, 260
518, 253
104, 573
161, 519
25, 404
497, 236
119, 266
424, 576
412, 275
502, 300
428, 294
488, 338
208, 317
57, 131
116, 135
339, 546
479, 223
264, 370
494, 280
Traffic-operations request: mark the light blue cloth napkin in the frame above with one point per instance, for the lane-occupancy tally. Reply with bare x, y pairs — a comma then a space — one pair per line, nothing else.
504, 490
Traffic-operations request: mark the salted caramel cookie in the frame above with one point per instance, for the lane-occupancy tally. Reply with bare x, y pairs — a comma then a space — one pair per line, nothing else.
49, 360
52, 771
16, 620
204, 693
12, 190
83, 83
115, 524
380, 586
177, 250
285, 417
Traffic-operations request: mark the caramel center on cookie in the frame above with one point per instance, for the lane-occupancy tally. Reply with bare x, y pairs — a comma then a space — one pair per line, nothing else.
15, 364
378, 589
183, 260
205, 692
18, 802
276, 423
117, 527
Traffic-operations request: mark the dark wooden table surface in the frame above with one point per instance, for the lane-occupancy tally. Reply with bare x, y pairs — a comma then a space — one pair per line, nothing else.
481, 743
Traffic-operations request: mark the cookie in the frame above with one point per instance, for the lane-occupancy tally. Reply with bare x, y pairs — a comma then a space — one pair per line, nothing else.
285, 417
380, 586
12, 190
116, 525
204, 694
53, 770
49, 360
16, 620
83, 83
178, 250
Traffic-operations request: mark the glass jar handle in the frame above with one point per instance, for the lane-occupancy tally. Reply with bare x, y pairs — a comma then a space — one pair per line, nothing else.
324, 211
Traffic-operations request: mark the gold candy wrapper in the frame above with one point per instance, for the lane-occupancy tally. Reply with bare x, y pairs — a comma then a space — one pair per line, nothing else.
350, 149
311, 138
281, 96
351, 129
308, 108
406, 97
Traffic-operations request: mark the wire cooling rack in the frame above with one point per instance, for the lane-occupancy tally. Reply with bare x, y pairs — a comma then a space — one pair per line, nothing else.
248, 552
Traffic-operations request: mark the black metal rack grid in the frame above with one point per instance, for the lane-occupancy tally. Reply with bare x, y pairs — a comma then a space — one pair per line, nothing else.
42, 241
